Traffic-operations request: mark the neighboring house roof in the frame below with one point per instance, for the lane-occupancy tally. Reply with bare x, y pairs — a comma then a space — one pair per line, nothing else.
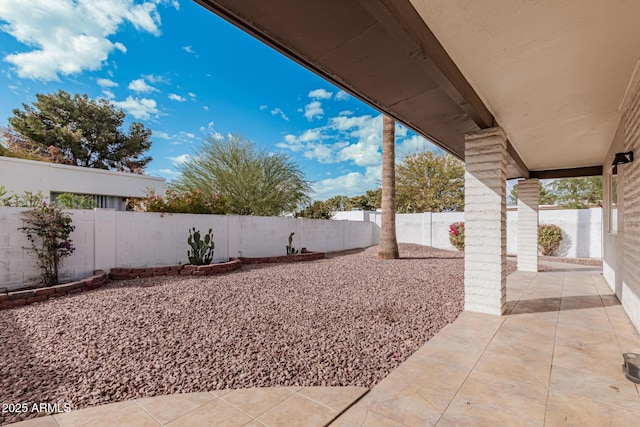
19, 175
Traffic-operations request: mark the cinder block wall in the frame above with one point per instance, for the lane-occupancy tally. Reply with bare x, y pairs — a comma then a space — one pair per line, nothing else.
105, 239
622, 247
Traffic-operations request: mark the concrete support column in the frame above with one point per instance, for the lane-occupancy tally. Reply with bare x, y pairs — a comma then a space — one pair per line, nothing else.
528, 201
485, 217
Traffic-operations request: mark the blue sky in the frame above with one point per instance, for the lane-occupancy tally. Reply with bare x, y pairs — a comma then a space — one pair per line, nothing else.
186, 74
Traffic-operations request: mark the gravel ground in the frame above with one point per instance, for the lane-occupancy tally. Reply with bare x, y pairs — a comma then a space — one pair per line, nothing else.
580, 261
349, 319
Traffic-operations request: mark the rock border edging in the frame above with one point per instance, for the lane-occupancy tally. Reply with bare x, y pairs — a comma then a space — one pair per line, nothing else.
304, 256
208, 270
176, 270
12, 299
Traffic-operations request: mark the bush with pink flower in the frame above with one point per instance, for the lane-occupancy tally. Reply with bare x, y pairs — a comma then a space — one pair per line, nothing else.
456, 235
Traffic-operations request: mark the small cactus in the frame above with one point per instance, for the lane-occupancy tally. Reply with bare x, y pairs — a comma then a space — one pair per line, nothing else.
290, 249
202, 250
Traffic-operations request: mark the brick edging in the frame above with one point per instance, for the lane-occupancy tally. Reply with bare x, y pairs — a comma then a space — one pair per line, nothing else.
176, 270
19, 298
207, 270
305, 256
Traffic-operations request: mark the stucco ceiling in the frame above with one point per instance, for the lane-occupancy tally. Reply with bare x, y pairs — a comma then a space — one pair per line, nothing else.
553, 73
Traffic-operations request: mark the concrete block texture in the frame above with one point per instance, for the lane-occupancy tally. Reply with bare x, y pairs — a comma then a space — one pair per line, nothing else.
107, 239
485, 221
528, 201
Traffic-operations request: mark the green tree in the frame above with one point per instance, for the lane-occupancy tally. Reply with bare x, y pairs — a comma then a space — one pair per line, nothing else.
547, 197
315, 210
388, 246
82, 132
339, 203
253, 181
428, 182
577, 193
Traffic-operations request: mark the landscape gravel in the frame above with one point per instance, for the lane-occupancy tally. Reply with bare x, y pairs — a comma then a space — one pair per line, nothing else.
349, 319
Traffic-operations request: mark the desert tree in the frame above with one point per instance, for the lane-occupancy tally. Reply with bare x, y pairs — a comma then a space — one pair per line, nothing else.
80, 131
252, 180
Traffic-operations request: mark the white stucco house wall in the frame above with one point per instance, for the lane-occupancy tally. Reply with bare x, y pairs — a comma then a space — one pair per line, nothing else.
109, 189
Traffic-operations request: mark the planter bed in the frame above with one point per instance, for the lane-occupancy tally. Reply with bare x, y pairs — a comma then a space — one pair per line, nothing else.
176, 270
304, 256
28, 296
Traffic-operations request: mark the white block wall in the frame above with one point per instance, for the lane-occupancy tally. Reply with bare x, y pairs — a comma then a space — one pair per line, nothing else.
581, 230
17, 265
105, 239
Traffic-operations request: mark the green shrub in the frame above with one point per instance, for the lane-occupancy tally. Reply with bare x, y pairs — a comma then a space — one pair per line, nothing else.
193, 202
28, 199
549, 238
456, 235
75, 201
48, 229
5, 198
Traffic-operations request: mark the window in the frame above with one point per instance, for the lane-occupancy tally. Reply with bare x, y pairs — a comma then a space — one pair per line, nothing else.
101, 201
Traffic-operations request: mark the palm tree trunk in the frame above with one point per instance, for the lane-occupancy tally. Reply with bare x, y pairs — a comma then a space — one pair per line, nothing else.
388, 247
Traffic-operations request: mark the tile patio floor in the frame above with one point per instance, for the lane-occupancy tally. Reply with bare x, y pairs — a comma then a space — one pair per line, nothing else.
555, 359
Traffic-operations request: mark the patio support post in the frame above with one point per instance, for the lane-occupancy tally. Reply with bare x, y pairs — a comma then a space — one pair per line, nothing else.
485, 214
528, 201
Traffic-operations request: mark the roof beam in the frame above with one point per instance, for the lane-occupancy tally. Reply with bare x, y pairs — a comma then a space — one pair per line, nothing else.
516, 167
567, 173
401, 20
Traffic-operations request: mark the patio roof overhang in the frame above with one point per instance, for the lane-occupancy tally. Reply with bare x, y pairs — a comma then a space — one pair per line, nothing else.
553, 76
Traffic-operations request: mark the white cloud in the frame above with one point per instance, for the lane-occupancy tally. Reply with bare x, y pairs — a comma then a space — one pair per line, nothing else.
188, 49
167, 174
205, 108
278, 111
106, 83
174, 97
180, 160
411, 145
139, 85
179, 138
346, 113
350, 184
342, 96
108, 94
313, 110
322, 153
361, 153
296, 144
263, 107
353, 139
141, 109
320, 94
153, 79
69, 37
191, 94
161, 135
